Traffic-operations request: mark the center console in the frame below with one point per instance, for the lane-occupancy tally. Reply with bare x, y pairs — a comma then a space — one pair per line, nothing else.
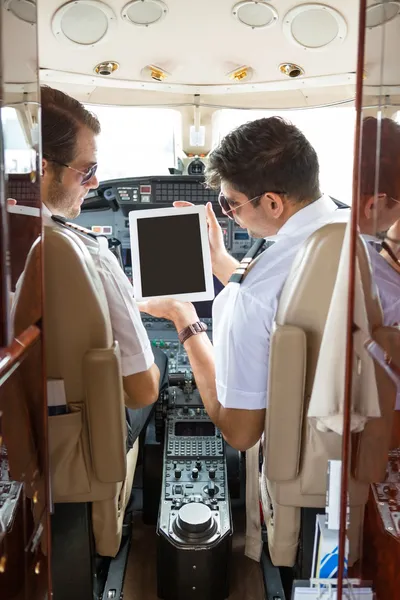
194, 523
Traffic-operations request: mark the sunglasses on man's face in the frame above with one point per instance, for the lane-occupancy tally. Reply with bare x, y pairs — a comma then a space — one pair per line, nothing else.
86, 175
226, 207
230, 212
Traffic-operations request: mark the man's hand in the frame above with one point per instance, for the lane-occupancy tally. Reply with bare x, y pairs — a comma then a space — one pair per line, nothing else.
223, 264
181, 313
11, 202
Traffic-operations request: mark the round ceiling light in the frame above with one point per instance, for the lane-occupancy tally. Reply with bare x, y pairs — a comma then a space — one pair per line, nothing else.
256, 15
24, 10
84, 22
314, 26
144, 12
381, 13
240, 74
154, 73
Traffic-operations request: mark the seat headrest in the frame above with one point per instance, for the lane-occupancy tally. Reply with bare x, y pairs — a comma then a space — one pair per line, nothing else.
307, 292
77, 315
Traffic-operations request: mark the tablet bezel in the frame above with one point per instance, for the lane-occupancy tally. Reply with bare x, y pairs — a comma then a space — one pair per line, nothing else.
135, 215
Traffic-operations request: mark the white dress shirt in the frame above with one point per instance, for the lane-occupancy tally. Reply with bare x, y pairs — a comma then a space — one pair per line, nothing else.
243, 314
388, 283
126, 322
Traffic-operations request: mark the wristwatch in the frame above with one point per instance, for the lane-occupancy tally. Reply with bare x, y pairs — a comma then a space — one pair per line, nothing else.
190, 330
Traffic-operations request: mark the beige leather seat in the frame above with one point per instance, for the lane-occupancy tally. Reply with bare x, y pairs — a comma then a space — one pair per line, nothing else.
296, 453
88, 458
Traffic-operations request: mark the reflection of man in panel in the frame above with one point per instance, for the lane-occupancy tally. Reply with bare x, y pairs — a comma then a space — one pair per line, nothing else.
69, 134
380, 172
380, 212
268, 175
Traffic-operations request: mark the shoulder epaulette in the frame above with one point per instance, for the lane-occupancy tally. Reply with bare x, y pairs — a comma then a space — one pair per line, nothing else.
74, 226
257, 248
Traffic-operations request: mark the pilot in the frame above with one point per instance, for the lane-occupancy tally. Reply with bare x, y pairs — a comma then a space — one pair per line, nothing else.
69, 134
268, 176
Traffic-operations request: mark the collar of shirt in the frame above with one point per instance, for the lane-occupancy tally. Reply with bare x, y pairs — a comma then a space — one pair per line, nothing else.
306, 216
46, 215
371, 238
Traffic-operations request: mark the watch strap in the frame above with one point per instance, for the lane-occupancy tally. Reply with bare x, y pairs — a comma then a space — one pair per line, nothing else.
190, 330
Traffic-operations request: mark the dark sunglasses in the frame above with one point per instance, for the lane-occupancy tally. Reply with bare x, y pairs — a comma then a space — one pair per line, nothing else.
229, 212
86, 176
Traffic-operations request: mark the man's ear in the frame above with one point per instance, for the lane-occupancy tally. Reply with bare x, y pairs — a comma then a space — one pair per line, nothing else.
370, 207
45, 166
275, 204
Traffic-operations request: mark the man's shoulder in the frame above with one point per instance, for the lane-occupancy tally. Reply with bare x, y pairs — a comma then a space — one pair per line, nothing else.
381, 269
62, 222
84, 235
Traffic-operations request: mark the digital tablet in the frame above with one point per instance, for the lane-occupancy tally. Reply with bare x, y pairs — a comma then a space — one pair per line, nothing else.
171, 254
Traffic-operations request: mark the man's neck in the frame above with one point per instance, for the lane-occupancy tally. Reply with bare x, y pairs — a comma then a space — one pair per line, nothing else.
293, 207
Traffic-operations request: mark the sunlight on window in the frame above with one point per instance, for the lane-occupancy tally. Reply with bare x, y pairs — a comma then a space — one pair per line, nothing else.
19, 157
329, 130
135, 141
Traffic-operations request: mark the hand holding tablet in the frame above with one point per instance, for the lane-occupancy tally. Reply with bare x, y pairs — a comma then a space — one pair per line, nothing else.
171, 254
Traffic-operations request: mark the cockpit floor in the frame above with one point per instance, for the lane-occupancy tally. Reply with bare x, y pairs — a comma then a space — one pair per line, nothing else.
141, 580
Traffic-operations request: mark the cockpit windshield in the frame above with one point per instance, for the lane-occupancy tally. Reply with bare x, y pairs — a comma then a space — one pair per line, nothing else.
330, 131
136, 141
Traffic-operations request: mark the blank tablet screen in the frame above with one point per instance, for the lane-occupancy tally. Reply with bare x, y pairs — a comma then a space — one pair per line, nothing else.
171, 258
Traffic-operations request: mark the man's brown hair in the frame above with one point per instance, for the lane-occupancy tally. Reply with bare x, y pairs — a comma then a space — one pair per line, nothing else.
62, 116
266, 155
380, 160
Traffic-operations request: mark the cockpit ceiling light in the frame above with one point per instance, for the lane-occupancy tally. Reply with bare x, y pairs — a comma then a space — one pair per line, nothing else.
315, 26
241, 74
84, 23
381, 13
106, 68
291, 70
144, 12
25, 10
154, 73
254, 14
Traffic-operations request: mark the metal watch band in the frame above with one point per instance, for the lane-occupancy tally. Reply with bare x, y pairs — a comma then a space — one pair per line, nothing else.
190, 330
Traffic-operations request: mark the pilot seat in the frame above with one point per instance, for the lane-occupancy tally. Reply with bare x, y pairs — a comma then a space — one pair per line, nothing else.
92, 466
296, 453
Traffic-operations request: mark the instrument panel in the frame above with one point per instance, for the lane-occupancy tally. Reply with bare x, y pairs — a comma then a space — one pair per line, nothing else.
105, 211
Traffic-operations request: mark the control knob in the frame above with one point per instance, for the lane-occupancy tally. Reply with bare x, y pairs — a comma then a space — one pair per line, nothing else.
211, 489
198, 465
195, 473
211, 473
178, 473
